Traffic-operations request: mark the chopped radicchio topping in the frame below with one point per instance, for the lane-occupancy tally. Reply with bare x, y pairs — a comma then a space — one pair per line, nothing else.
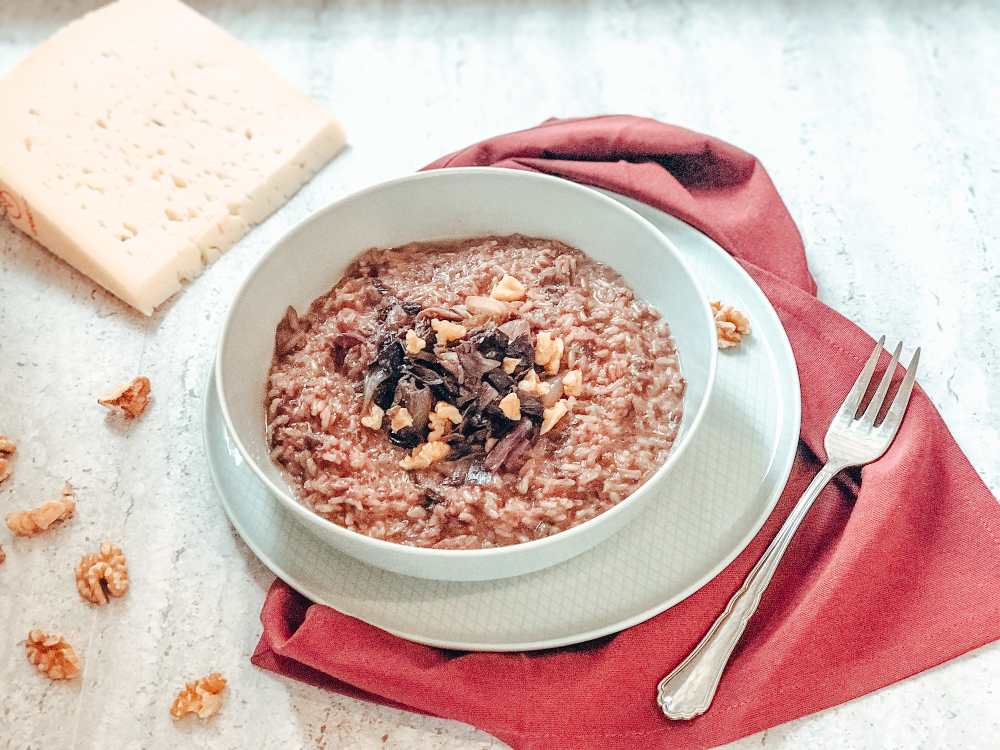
469, 376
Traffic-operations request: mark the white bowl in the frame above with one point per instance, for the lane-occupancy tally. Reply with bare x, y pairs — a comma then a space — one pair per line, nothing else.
450, 204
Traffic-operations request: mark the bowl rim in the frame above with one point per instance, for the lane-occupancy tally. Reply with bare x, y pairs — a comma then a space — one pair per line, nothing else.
311, 518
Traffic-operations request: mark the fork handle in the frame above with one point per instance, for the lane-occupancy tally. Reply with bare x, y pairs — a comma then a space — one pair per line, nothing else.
688, 690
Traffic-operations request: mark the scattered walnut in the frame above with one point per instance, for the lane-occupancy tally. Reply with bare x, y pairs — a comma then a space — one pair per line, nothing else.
731, 324
7, 447
52, 655
510, 405
510, 364
508, 289
447, 331
553, 414
102, 574
424, 455
414, 343
441, 420
36, 520
374, 419
399, 417
132, 398
572, 382
202, 697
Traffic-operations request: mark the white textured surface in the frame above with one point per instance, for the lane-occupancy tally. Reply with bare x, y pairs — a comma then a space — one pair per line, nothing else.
877, 122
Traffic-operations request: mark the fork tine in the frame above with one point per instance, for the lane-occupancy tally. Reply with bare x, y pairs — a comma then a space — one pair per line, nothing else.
894, 416
868, 418
850, 406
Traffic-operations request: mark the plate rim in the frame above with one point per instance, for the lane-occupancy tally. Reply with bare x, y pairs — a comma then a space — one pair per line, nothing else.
792, 402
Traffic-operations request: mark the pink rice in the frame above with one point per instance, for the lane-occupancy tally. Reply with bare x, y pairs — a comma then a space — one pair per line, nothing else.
620, 430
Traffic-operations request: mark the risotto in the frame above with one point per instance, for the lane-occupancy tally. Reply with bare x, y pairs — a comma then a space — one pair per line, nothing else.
472, 393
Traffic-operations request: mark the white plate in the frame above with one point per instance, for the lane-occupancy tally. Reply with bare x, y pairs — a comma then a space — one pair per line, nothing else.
717, 500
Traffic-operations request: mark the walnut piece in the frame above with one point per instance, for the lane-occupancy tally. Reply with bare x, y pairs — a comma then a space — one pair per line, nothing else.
414, 343
508, 289
36, 520
447, 331
532, 385
399, 417
374, 419
548, 352
102, 574
132, 398
572, 382
441, 420
731, 324
7, 448
553, 414
3, 555
202, 697
52, 655
510, 364
424, 455
510, 405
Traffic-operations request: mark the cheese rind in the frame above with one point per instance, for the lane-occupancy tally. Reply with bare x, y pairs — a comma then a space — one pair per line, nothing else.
141, 141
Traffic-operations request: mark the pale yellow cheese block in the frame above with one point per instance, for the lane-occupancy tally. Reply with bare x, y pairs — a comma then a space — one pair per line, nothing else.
142, 140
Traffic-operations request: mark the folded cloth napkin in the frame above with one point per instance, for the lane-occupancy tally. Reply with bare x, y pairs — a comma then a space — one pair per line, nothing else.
895, 570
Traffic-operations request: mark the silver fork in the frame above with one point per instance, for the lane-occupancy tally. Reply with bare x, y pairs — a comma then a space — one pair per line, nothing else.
851, 441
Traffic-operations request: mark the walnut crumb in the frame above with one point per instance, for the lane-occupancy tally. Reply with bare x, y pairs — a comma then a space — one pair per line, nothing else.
553, 414
731, 324
132, 398
548, 352
101, 574
52, 655
510, 405
508, 289
399, 417
374, 419
572, 382
3, 555
441, 420
424, 455
510, 364
36, 520
532, 385
414, 344
202, 697
447, 331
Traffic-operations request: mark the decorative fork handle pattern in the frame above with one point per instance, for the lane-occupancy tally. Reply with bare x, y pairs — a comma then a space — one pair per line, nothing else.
688, 690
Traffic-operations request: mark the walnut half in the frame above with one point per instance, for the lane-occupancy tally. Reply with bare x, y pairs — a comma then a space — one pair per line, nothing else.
102, 574
132, 398
202, 697
731, 324
36, 520
52, 655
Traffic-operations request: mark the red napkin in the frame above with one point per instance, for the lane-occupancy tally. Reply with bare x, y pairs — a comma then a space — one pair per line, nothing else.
896, 569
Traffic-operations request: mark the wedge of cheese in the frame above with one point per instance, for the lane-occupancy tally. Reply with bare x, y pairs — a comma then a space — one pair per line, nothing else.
142, 140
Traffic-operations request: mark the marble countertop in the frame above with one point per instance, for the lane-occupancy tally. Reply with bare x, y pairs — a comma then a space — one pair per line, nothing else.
877, 121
